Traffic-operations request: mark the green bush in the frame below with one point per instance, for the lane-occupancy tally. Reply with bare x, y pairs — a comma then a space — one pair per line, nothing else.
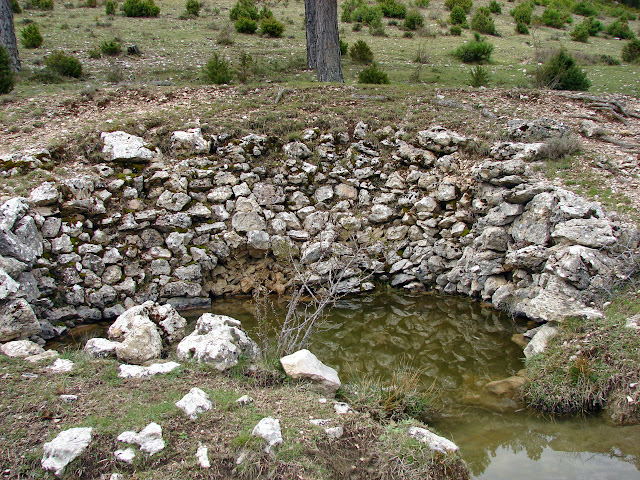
465, 4
554, 18
91, 3
45, 4
140, 8
348, 7
244, 9
494, 7
413, 20
522, 13
457, 16
620, 29
422, 3
392, 9
477, 50
585, 9
6, 75
482, 23
265, 12
271, 27
110, 7
31, 36
246, 65
367, 15
63, 64
344, 48
246, 25
112, 48
361, 53
455, 30
631, 51
561, 72
595, 26
581, 32
218, 70
193, 7
373, 75
522, 28
479, 76
15, 7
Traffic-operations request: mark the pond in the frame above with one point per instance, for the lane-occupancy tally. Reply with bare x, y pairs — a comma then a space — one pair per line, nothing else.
458, 346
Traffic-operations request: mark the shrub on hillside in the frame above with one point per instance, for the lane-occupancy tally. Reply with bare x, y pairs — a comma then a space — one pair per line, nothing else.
140, 8
6, 75
373, 75
63, 64
581, 32
246, 25
554, 18
271, 27
348, 7
371, 16
561, 72
344, 48
477, 50
455, 30
111, 48
595, 26
494, 7
244, 9
585, 9
361, 53
631, 51
110, 7
458, 17
15, 6
218, 70
465, 4
393, 9
522, 13
620, 29
522, 28
413, 20
45, 4
31, 36
479, 76
422, 3
483, 23
193, 7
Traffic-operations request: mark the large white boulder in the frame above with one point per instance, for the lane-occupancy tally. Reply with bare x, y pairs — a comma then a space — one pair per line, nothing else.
304, 365
63, 449
269, 429
219, 341
433, 441
142, 342
171, 323
121, 146
21, 348
194, 403
100, 347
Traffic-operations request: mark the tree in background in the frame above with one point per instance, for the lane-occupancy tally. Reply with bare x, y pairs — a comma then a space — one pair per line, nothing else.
8, 34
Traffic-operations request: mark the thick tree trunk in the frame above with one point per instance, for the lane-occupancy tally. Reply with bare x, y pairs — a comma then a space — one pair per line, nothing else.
8, 34
328, 41
310, 26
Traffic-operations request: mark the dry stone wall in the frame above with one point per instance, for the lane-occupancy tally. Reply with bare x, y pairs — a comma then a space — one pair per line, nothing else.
218, 215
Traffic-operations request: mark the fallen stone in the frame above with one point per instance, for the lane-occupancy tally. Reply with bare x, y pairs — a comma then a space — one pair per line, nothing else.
123, 147
125, 456
46, 356
62, 365
508, 387
244, 400
65, 448
539, 341
21, 348
342, 408
136, 371
202, 454
100, 347
68, 398
334, 432
269, 429
141, 343
149, 439
433, 441
304, 365
17, 320
194, 403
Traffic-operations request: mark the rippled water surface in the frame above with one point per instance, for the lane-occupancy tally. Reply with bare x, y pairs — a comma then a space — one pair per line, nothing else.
459, 346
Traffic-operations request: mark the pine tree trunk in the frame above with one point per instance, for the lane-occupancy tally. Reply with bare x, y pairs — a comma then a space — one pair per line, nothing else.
8, 34
327, 41
310, 26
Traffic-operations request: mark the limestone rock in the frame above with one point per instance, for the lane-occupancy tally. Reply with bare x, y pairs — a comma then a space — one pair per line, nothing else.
590, 232
136, 371
539, 341
194, 403
433, 441
66, 447
440, 140
149, 439
171, 323
62, 365
45, 194
125, 456
8, 286
217, 340
21, 348
269, 429
507, 387
304, 365
188, 142
202, 454
123, 147
142, 342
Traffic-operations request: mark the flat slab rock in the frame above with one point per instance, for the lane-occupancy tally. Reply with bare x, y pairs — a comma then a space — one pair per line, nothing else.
66, 447
304, 365
137, 371
433, 441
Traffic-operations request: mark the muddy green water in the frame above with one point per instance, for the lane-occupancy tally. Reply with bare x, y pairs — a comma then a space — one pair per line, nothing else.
459, 346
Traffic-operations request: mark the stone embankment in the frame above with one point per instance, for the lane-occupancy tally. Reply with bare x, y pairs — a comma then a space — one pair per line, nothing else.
217, 215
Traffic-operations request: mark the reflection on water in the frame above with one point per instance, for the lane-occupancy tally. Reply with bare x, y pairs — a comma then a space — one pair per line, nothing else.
461, 345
